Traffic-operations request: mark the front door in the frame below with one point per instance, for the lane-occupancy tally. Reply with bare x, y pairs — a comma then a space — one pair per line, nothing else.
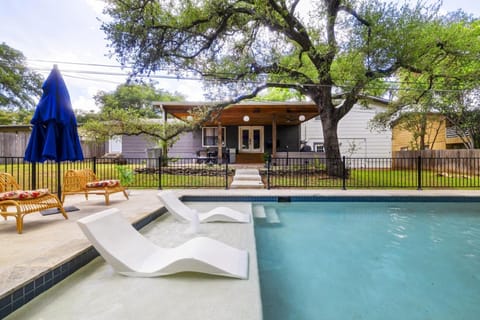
250, 139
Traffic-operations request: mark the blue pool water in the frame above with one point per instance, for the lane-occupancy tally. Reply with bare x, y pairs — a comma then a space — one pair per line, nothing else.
370, 260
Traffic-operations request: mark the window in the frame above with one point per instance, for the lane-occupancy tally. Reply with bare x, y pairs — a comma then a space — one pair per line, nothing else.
210, 136
318, 147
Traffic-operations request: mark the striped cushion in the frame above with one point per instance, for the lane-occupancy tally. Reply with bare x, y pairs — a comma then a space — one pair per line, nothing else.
103, 183
23, 194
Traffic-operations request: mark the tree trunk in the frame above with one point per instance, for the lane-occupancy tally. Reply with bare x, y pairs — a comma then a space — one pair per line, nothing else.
332, 148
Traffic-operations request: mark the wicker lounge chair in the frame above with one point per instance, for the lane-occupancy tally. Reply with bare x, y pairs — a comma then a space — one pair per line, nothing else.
185, 214
131, 254
85, 182
22, 202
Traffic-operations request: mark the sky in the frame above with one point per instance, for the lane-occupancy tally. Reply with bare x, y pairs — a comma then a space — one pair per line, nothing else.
63, 32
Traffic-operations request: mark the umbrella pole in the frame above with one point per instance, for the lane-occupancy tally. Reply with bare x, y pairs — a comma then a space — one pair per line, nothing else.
59, 184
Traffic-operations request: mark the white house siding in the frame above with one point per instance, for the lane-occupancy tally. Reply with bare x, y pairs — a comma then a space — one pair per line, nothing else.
356, 139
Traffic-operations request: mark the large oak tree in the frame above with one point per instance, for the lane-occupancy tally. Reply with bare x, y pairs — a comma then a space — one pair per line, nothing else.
332, 51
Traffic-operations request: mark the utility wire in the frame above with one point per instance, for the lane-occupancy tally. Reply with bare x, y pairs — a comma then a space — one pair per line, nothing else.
230, 80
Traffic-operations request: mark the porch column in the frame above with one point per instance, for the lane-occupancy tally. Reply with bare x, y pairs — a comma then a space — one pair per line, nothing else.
274, 136
220, 142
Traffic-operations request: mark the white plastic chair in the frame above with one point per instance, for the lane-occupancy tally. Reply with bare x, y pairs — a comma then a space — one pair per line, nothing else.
183, 213
131, 254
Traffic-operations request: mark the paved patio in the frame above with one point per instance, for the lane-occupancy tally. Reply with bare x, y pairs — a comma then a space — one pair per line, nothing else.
47, 241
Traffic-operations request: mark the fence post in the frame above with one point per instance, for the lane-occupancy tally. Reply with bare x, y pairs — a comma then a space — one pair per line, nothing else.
95, 165
344, 174
419, 173
34, 176
269, 161
159, 172
305, 173
226, 175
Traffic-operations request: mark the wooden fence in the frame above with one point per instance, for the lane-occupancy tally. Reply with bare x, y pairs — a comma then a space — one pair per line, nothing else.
458, 161
14, 143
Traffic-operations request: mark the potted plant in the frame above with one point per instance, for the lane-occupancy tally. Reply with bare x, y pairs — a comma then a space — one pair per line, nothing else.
266, 158
126, 176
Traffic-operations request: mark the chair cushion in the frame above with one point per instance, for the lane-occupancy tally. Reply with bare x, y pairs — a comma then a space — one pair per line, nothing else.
103, 183
23, 194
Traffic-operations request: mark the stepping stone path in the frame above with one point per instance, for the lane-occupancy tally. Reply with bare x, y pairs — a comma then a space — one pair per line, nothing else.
247, 179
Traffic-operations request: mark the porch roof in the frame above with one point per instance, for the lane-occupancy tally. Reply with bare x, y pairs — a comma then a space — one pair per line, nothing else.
259, 113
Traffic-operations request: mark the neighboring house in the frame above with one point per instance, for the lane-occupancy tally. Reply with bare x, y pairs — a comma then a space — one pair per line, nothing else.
440, 134
135, 146
355, 137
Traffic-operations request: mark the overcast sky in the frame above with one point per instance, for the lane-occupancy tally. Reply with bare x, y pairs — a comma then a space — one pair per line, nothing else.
61, 31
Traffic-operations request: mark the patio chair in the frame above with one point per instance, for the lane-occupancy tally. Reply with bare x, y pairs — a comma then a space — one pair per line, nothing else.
131, 254
24, 202
185, 214
85, 182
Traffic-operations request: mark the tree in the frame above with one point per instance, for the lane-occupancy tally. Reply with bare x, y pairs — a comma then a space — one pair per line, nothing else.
20, 87
462, 110
333, 53
128, 111
446, 87
134, 96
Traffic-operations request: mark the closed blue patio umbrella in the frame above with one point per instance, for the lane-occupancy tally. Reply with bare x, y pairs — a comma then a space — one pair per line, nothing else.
54, 132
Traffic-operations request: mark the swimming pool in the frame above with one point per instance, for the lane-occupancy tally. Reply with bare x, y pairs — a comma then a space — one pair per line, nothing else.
369, 260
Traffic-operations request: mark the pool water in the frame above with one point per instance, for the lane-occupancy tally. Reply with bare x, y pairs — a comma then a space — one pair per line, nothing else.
370, 260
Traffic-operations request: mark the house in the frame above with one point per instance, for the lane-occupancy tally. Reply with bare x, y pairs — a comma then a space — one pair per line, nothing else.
440, 134
245, 130
355, 136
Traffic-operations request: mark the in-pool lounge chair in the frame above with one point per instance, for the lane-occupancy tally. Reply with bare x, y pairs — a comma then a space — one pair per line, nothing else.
131, 254
184, 213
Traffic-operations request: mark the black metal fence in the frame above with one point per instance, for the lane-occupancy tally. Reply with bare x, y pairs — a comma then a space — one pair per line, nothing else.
354, 173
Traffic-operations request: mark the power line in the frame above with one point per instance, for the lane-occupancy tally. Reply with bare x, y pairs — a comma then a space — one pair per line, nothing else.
80, 63
225, 79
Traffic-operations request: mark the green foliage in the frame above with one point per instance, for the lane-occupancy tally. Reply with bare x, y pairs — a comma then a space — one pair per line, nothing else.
125, 174
20, 87
21, 116
279, 94
128, 111
138, 97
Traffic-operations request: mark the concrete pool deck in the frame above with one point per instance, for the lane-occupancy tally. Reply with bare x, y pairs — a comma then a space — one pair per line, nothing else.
47, 241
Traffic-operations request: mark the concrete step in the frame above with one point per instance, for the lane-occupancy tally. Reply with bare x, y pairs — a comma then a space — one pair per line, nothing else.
246, 171
246, 184
250, 177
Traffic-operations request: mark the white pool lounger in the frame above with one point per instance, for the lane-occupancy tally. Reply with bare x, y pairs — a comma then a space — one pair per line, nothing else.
131, 254
183, 213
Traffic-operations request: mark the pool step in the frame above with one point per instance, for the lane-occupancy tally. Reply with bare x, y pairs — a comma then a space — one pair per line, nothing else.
272, 215
259, 212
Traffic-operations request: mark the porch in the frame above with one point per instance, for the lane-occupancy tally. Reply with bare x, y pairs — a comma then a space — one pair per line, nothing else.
246, 130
